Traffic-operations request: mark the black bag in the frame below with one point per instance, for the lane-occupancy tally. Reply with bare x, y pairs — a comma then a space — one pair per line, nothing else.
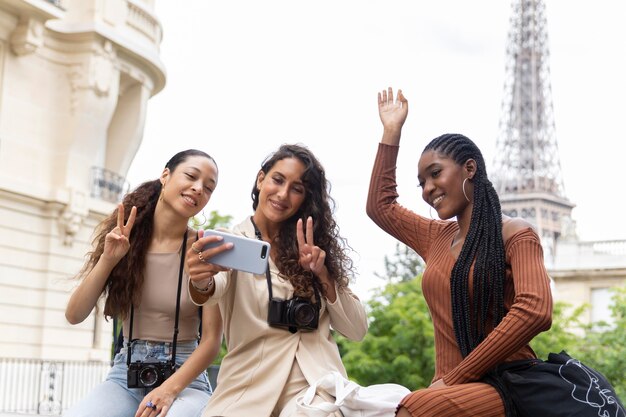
561, 386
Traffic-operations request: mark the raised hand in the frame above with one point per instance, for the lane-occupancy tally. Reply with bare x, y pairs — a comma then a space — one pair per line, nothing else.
392, 113
116, 243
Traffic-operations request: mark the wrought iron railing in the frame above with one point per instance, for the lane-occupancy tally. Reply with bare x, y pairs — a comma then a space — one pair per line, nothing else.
42, 387
57, 3
108, 185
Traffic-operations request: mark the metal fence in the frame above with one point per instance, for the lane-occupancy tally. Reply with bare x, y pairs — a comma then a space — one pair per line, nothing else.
46, 387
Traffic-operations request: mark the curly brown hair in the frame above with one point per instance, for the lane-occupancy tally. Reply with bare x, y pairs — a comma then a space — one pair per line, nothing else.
320, 206
125, 282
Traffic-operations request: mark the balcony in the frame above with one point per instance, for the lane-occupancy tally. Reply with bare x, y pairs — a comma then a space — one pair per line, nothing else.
108, 185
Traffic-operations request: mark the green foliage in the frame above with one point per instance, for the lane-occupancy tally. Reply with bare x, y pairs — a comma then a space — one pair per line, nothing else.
214, 220
604, 347
561, 335
399, 346
601, 346
404, 265
221, 354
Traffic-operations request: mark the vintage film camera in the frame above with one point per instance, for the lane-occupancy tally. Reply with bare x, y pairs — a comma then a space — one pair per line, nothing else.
149, 373
295, 314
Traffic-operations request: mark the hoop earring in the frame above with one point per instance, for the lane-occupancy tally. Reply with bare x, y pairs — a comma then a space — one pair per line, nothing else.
430, 212
463, 187
204, 217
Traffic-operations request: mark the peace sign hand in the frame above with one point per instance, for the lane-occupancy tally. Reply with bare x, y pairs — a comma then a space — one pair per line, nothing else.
116, 243
311, 257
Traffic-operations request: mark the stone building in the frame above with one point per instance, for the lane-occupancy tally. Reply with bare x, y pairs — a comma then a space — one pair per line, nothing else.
75, 80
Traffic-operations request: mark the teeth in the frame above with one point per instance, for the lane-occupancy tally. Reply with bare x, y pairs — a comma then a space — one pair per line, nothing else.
437, 200
190, 200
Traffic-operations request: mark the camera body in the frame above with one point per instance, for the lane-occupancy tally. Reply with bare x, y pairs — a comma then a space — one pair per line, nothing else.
294, 314
149, 373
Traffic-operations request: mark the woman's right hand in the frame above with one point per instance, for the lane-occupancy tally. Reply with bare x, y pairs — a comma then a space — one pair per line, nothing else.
116, 243
199, 269
392, 114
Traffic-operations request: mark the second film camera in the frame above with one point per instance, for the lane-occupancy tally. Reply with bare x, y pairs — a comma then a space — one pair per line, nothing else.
149, 373
294, 314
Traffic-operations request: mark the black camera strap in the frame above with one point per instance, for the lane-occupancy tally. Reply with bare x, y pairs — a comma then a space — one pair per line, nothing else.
129, 343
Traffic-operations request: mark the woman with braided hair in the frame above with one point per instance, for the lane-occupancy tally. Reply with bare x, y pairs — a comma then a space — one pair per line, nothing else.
485, 282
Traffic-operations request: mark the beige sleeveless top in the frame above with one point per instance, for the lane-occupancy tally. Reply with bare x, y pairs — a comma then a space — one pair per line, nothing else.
154, 317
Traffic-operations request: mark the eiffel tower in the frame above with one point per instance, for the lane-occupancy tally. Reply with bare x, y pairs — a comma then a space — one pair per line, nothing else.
527, 168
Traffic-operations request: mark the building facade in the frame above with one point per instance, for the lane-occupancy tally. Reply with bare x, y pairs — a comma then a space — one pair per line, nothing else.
75, 80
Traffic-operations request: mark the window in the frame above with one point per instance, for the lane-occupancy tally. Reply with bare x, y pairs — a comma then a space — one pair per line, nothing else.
601, 302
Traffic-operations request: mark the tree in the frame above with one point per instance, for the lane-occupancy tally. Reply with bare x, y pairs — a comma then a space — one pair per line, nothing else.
399, 346
561, 335
604, 347
214, 220
403, 266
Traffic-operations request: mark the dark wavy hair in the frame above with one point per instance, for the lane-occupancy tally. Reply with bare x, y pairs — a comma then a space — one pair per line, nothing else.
320, 206
125, 282
483, 245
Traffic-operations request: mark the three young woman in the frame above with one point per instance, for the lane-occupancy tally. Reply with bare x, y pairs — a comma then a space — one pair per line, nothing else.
485, 281
277, 325
136, 264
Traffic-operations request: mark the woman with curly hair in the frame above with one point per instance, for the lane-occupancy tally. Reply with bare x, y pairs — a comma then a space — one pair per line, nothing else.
277, 325
137, 265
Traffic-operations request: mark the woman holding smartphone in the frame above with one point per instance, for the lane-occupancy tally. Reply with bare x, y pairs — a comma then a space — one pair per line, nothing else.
137, 261
277, 323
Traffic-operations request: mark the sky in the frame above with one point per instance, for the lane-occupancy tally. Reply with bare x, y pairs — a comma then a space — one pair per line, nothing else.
244, 77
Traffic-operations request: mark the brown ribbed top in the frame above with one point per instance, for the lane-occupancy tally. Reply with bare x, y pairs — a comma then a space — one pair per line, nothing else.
527, 300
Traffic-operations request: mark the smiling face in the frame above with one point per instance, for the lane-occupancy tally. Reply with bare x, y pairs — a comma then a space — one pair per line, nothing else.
188, 188
281, 190
441, 180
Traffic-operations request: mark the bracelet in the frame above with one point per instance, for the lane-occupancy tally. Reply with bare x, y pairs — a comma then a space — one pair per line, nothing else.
203, 290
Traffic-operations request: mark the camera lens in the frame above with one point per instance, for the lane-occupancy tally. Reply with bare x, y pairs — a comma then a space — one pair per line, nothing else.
148, 376
303, 314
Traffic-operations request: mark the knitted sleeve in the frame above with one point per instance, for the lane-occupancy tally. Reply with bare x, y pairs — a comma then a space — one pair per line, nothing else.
382, 207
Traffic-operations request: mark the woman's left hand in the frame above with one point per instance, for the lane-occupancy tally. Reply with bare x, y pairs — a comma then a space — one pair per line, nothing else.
156, 403
311, 257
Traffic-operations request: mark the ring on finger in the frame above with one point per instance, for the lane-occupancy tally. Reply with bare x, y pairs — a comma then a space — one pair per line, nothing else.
200, 257
193, 248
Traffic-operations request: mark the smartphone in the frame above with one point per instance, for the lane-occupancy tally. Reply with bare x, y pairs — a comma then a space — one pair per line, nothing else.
247, 254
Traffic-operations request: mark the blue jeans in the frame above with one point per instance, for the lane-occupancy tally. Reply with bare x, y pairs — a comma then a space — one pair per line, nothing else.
113, 398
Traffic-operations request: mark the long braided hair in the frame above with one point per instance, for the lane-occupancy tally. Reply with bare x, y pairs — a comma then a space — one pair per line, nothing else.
483, 247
